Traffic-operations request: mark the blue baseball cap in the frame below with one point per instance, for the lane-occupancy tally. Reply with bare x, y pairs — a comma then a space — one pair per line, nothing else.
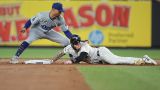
58, 6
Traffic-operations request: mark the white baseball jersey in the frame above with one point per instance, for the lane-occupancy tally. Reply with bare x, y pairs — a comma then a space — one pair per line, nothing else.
105, 55
85, 47
42, 21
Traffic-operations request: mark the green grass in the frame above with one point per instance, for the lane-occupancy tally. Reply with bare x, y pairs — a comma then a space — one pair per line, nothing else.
49, 52
154, 53
122, 77
107, 77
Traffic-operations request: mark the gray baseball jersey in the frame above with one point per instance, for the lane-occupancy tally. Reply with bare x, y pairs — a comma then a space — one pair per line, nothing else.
99, 54
42, 28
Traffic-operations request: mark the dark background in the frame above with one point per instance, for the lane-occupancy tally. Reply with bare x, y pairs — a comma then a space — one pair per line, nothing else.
155, 23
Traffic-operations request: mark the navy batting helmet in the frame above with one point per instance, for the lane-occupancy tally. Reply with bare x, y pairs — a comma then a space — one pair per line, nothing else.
75, 39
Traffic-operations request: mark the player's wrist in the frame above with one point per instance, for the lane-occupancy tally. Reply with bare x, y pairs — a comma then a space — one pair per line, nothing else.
24, 28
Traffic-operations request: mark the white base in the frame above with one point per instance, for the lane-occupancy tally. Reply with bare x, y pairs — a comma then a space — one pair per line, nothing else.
44, 61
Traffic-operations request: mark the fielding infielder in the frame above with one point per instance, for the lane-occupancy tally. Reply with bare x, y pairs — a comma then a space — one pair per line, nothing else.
42, 28
82, 51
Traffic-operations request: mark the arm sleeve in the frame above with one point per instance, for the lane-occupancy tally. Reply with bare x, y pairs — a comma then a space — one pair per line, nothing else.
68, 34
81, 57
58, 56
28, 24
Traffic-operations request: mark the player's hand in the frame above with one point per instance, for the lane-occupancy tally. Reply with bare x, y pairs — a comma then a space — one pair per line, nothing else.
68, 62
23, 30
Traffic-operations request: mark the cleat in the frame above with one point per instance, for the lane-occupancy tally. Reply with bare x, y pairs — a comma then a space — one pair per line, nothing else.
14, 60
139, 62
148, 60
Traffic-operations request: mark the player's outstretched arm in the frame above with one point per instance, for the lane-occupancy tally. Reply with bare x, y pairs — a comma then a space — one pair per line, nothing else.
65, 28
66, 31
68, 34
32, 21
58, 56
26, 26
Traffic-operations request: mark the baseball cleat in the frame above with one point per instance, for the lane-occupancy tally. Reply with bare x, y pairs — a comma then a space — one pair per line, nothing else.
14, 60
148, 60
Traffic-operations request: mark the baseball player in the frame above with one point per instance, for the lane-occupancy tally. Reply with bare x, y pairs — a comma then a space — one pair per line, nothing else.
82, 51
42, 28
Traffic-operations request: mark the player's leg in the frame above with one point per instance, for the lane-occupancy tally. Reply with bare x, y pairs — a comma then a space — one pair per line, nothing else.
110, 58
57, 37
129, 60
149, 60
32, 37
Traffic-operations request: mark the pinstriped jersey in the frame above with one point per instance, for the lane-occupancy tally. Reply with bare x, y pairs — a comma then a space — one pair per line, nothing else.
85, 47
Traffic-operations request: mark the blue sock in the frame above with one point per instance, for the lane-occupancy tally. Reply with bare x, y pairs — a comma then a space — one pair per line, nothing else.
22, 47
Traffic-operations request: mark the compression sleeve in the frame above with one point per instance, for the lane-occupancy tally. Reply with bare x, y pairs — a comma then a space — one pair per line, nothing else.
68, 34
28, 24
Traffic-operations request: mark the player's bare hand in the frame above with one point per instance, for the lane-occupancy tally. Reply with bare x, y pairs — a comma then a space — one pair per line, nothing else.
23, 30
68, 62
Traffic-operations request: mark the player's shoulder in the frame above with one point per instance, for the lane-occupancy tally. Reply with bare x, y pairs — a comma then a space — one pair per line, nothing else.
43, 14
68, 46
